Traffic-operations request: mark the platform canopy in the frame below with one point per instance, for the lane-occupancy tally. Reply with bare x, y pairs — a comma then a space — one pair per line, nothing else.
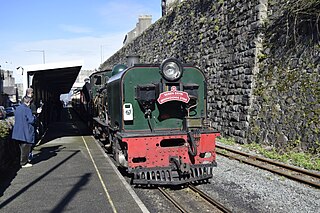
55, 78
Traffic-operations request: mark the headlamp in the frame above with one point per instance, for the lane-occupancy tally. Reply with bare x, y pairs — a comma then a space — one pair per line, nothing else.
171, 69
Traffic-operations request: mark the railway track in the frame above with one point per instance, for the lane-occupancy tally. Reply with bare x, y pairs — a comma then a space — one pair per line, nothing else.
292, 172
191, 199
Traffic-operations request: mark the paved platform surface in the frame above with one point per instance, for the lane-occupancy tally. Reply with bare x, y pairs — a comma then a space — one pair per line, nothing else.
71, 173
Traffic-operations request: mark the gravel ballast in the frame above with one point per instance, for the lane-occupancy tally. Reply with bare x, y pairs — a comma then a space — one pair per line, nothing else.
244, 188
247, 189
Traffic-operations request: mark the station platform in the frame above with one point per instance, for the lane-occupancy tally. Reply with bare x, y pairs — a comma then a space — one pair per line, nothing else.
70, 173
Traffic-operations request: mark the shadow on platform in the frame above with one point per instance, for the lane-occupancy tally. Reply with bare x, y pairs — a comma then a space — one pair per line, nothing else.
69, 125
6, 177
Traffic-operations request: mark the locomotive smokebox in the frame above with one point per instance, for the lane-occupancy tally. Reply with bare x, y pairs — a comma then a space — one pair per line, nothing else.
132, 60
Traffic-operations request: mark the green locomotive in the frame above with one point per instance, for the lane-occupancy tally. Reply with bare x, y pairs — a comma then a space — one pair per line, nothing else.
153, 118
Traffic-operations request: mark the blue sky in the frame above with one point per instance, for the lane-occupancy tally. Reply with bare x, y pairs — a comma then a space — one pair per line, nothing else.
67, 29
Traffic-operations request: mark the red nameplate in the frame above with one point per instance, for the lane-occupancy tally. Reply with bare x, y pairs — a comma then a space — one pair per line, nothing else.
173, 95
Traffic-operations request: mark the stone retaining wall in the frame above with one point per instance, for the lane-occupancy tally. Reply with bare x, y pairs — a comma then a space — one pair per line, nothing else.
226, 39
285, 111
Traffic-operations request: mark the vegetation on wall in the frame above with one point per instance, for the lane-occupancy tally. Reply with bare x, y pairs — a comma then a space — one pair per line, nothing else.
4, 129
300, 22
287, 88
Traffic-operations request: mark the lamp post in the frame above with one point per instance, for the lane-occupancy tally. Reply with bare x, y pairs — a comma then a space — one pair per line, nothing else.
43, 54
22, 69
101, 51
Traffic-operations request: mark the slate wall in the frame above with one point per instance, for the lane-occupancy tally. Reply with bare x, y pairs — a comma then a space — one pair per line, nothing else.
230, 41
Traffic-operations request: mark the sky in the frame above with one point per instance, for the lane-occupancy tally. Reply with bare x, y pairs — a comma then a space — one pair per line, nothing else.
50, 31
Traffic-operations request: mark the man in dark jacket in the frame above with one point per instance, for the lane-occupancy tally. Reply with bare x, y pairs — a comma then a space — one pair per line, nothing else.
36, 112
23, 130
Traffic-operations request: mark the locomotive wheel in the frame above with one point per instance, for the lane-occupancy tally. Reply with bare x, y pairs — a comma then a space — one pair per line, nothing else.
95, 132
105, 140
113, 147
118, 154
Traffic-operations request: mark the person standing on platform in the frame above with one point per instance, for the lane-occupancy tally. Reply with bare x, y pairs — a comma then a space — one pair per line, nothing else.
29, 93
23, 130
32, 106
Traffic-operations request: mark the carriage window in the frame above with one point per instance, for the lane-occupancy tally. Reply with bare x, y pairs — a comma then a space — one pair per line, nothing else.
97, 80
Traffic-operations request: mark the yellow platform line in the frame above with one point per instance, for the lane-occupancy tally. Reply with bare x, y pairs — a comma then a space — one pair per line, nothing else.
100, 178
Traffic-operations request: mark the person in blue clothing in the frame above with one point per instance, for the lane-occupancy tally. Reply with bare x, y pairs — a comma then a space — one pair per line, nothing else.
23, 130
34, 110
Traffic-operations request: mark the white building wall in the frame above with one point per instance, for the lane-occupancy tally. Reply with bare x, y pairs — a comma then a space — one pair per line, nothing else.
144, 22
9, 80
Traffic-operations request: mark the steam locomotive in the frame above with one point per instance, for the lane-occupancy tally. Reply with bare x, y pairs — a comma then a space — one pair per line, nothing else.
153, 119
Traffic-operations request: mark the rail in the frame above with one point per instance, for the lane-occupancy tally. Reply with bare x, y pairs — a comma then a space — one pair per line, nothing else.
191, 203
292, 172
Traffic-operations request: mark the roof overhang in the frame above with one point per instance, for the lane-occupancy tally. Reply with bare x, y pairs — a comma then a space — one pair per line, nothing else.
55, 78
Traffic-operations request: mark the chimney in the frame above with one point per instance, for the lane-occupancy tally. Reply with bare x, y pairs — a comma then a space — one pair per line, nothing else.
132, 60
